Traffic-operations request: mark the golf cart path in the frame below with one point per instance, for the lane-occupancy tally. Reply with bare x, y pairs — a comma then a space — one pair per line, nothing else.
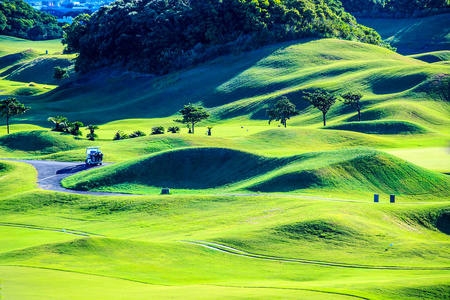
50, 174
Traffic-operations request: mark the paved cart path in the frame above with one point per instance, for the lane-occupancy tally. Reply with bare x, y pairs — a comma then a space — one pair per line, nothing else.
50, 174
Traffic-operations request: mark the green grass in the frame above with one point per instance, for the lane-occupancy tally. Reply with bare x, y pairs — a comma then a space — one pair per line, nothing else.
433, 57
135, 247
430, 158
150, 229
12, 45
381, 127
352, 172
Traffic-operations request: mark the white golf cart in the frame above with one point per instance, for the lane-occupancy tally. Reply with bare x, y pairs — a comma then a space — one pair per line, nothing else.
94, 156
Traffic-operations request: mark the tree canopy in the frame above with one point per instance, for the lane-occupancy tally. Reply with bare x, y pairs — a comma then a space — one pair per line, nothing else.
320, 100
192, 114
19, 19
11, 107
283, 111
60, 73
159, 36
352, 99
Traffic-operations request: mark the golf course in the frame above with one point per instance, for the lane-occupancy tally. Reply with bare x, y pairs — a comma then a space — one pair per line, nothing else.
256, 209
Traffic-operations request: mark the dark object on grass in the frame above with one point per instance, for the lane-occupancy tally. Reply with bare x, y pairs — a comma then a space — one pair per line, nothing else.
376, 198
165, 191
392, 199
173, 129
158, 130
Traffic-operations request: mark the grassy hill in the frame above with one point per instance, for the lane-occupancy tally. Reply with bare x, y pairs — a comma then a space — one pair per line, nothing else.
308, 228
353, 172
243, 87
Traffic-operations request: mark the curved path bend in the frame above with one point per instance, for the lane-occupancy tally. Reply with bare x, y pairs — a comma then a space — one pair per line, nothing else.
50, 174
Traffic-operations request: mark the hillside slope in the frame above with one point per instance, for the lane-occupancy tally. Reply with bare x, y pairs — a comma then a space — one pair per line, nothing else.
246, 85
353, 171
414, 36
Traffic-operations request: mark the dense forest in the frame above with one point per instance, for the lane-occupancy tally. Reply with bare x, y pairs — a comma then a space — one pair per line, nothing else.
19, 19
158, 36
396, 8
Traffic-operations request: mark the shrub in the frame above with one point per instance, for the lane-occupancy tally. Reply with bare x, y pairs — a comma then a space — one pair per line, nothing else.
91, 136
120, 135
157, 130
136, 133
173, 129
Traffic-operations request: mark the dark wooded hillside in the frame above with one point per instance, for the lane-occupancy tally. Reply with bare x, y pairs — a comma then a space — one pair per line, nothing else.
19, 19
164, 35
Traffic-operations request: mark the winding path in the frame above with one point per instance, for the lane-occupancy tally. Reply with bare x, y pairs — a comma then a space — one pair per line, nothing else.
50, 174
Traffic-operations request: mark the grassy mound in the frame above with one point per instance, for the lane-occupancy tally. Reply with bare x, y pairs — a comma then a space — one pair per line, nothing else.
39, 142
313, 229
353, 171
12, 59
40, 69
432, 57
381, 127
191, 168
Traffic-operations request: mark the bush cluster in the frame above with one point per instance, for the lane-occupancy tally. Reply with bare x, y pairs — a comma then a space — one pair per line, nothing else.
160, 36
19, 19
62, 124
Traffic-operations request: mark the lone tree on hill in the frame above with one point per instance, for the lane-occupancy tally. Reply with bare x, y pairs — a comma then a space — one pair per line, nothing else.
59, 73
321, 100
192, 114
283, 111
60, 123
91, 135
11, 107
352, 99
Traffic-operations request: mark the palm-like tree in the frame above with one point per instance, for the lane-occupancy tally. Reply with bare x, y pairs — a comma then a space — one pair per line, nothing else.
91, 136
59, 122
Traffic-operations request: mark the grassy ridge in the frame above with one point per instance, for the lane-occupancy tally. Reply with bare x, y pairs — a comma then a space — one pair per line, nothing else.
38, 143
354, 171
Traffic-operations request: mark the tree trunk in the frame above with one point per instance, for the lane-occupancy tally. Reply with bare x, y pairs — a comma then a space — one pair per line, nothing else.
359, 115
324, 122
192, 127
7, 123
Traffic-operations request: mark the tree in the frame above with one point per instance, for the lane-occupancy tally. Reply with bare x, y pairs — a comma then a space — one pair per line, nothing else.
60, 73
283, 111
91, 135
60, 122
74, 128
11, 107
192, 114
352, 99
321, 100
